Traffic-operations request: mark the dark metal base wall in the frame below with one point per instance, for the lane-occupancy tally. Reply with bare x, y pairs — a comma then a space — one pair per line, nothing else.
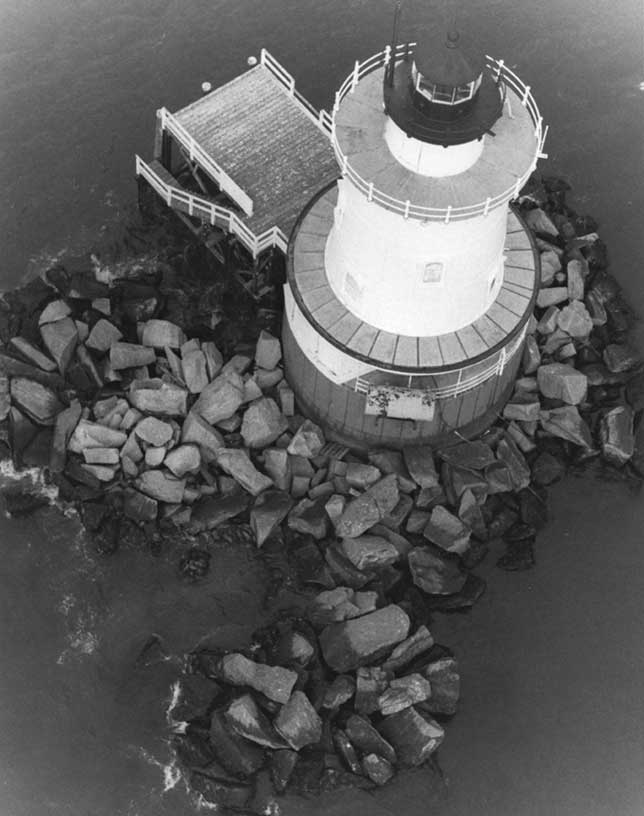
341, 411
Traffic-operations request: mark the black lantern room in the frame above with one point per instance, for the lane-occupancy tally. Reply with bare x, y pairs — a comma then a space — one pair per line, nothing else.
443, 92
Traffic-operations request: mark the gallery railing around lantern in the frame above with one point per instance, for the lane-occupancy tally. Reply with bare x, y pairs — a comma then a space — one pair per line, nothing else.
408, 209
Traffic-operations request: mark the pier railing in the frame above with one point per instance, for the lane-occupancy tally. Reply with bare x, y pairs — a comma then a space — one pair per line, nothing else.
321, 118
464, 381
205, 161
212, 213
502, 74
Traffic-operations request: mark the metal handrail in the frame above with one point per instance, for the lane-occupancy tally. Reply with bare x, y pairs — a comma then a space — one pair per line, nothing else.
321, 118
464, 384
206, 162
407, 208
215, 215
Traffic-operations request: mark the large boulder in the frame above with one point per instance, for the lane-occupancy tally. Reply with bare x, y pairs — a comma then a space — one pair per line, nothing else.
298, 722
447, 531
94, 435
369, 552
160, 333
274, 682
420, 464
245, 718
562, 382
444, 678
194, 370
32, 354
158, 397
221, 398
154, 431
363, 640
60, 339
308, 440
575, 320
263, 423
236, 463
197, 431
566, 423
64, 427
237, 755
270, 508
413, 736
38, 401
183, 459
130, 355
102, 336
268, 351
211, 511
161, 486
616, 435
474, 455
434, 574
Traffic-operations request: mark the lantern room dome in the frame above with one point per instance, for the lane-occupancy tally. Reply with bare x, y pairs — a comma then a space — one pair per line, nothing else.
448, 57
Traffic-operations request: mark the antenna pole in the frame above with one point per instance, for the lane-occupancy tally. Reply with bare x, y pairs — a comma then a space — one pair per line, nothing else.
394, 41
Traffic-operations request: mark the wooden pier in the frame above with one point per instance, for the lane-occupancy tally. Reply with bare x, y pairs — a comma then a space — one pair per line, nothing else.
244, 159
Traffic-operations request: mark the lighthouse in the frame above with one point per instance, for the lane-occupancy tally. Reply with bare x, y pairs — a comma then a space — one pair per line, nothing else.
411, 279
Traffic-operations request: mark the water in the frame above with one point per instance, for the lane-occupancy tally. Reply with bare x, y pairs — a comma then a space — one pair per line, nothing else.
551, 658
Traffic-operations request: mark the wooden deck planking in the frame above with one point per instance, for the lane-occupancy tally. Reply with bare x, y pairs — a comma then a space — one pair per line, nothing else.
264, 141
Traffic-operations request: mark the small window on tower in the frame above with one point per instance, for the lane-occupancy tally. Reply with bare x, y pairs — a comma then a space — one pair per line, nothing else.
433, 272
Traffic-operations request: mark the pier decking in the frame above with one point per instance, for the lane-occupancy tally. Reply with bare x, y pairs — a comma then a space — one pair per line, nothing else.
264, 145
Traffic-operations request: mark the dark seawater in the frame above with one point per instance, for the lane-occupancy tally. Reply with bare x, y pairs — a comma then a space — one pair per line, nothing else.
552, 659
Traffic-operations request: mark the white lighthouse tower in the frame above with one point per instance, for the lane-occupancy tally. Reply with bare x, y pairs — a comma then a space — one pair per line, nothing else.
411, 280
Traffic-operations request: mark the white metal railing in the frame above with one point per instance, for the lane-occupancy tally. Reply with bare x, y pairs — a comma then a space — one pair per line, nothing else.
212, 213
321, 118
502, 74
464, 383
205, 161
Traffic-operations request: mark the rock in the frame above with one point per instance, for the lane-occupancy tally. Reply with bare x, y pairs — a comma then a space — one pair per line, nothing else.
197, 431
576, 273
138, 507
522, 411
130, 355
563, 382
154, 457
358, 516
32, 354
361, 476
277, 465
298, 722
161, 486
308, 441
158, 398
419, 461
221, 398
413, 736
268, 351
547, 469
552, 296
367, 739
38, 401
596, 309
346, 751
273, 682
404, 692
339, 692
269, 509
104, 473
369, 552
94, 435
575, 320
377, 769
244, 717
236, 463
282, 765
433, 574
131, 449
263, 423
237, 755
531, 355
421, 641
616, 435
550, 266
339, 604
510, 455
359, 641
238, 364
53, 312
220, 793
470, 455
447, 531
210, 512
102, 336
154, 431
566, 423
160, 333
309, 518
65, 424
195, 373
286, 397
60, 339
101, 456
538, 221
371, 681
619, 358
445, 681
183, 459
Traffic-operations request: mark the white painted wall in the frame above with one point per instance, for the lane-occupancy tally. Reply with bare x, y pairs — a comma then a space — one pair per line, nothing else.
429, 159
376, 262
327, 358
